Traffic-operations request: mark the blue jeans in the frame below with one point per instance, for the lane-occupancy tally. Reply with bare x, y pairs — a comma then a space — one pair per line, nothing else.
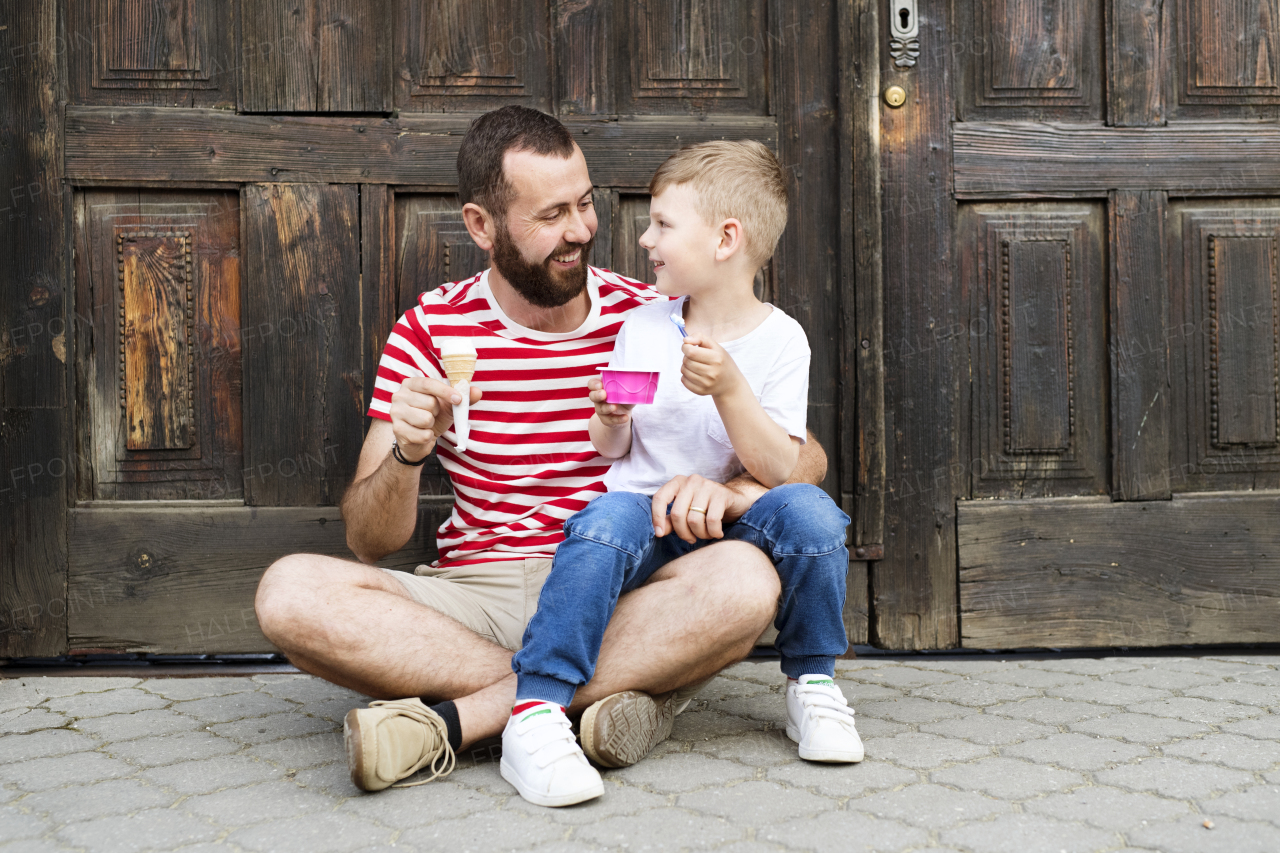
610, 549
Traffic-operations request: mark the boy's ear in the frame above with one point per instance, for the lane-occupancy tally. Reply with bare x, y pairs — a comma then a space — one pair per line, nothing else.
731, 239
480, 225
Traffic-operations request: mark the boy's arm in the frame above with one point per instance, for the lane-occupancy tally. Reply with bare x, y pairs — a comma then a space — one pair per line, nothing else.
610, 425
811, 469
763, 447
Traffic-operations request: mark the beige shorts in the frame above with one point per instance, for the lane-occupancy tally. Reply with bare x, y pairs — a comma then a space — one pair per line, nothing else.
495, 599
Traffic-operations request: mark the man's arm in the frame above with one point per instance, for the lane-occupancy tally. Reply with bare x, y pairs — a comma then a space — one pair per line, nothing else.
811, 468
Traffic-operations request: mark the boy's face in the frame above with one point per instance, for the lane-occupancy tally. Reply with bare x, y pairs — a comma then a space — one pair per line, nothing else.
681, 244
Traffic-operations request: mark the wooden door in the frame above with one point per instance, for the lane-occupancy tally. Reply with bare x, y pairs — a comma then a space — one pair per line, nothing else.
248, 194
1081, 207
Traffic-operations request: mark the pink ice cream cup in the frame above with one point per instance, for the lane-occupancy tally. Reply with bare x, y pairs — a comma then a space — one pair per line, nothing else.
629, 387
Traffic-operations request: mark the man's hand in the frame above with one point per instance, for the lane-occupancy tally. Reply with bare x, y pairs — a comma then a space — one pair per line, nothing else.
421, 411
688, 495
610, 414
708, 369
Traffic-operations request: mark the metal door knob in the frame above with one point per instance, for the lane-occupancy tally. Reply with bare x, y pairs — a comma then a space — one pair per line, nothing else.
895, 96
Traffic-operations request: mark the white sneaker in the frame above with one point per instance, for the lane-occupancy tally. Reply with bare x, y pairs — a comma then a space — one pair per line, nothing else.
542, 759
821, 721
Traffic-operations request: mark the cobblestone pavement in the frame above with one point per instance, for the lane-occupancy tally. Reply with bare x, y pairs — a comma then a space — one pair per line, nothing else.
1019, 755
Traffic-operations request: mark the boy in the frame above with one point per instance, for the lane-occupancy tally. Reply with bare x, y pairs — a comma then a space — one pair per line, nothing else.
716, 214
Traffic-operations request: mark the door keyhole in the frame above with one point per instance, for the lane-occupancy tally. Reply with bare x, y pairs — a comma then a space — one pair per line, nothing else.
905, 16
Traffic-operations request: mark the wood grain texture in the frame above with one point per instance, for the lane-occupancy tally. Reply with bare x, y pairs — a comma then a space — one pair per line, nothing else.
304, 407
1082, 572
35, 416
316, 56
1028, 159
1138, 67
148, 145
587, 32
1140, 388
857, 606
181, 580
914, 604
1231, 57
379, 285
862, 424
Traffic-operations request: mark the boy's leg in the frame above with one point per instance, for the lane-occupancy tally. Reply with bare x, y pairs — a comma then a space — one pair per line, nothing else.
608, 549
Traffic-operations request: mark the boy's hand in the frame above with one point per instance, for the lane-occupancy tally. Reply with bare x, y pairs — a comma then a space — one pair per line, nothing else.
610, 414
708, 369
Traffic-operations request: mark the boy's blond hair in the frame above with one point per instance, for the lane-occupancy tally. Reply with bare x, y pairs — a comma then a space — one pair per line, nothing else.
733, 180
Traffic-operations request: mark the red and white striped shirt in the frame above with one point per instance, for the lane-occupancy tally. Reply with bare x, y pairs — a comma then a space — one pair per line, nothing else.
529, 463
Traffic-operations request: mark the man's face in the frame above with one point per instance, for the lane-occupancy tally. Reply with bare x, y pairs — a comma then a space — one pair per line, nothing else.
543, 245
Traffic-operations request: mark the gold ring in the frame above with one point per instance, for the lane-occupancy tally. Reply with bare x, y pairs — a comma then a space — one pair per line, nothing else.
697, 509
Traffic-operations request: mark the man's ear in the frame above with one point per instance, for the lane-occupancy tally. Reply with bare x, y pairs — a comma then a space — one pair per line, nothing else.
480, 225
731, 239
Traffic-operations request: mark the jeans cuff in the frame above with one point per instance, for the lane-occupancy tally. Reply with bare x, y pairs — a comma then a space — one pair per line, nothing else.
533, 686
809, 665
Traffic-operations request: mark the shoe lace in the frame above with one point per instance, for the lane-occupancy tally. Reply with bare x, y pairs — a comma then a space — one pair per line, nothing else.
551, 735
437, 752
825, 702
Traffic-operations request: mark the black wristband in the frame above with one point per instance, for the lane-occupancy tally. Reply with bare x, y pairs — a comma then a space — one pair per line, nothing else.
399, 455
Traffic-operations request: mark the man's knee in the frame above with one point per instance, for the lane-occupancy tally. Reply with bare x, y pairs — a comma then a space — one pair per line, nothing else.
746, 574
283, 592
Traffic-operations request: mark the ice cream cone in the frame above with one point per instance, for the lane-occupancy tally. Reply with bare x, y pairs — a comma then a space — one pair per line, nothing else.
459, 367
458, 356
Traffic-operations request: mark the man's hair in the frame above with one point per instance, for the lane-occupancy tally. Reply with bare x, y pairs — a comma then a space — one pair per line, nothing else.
733, 180
513, 128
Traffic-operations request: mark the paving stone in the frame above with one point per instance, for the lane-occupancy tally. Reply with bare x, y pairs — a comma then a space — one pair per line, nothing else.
843, 780
1220, 667
213, 774
333, 779
504, 831
40, 774
1077, 751
405, 807
907, 677
7, 794
1007, 778
185, 689
316, 833
37, 719
688, 771
275, 727
618, 799
15, 823
1262, 660
245, 806
705, 725
766, 673
120, 727
162, 829
732, 688
988, 729
654, 830
757, 749
1189, 835
44, 744
1264, 728
1025, 833
1107, 808
920, 750
302, 752
1261, 802
857, 692
964, 667
747, 847
236, 706
569, 847
912, 710
1196, 710
930, 806
767, 707
1174, 777
112, 797
845, 832
1051, 712
974, 693
1036, 678
482, 777
869, 727
1266, 677
1088, 666
46, 688
1108, 693
755, 803
183, 746
121, 701
1165, 679
1242, 753
1264, 696
32, 845
1140, 728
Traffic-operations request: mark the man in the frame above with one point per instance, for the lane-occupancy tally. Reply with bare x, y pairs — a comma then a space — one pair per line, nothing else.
543, 323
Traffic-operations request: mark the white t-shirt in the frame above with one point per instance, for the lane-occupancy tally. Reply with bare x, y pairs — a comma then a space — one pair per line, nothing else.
681, 432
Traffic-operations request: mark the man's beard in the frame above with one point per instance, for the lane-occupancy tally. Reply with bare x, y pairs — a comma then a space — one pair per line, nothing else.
538, 283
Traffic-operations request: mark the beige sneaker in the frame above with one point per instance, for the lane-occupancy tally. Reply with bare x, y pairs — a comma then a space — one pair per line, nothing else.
392, 740
621, 729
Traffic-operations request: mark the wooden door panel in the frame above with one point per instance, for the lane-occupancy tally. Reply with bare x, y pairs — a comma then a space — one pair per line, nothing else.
303, 396
1229, 58
1029, 59
1224, 338
1036, 334
158, 289
472, 55
177, 53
